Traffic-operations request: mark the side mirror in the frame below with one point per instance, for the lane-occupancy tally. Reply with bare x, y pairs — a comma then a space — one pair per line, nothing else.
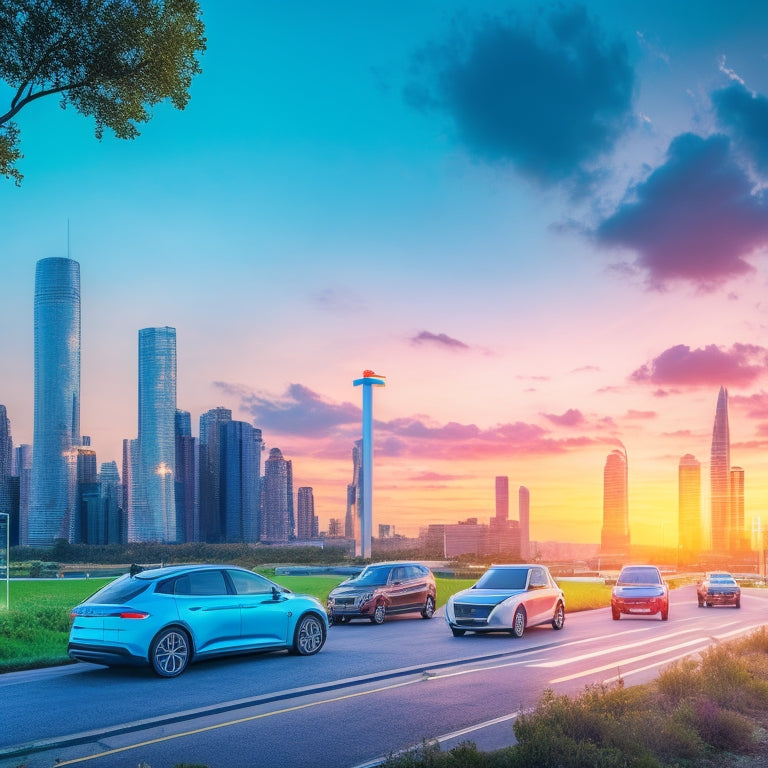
275, 593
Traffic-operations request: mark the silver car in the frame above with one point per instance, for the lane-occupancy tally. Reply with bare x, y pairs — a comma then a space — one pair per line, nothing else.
507, 598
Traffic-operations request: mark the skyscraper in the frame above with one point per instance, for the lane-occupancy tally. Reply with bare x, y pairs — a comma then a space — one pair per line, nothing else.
6, 461
157, 435
689, 508
23, 469
277, 499
720, 476
737, 533
240, 467
56, 433
187, 479
306, 522
109, 480
524, 515
502, 498
615, 533
211, 514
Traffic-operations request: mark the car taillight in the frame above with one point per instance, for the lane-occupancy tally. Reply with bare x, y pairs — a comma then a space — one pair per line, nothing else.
133, 615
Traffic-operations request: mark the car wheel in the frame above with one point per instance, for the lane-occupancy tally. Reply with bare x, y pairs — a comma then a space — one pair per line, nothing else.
309, 636
518, 622
170, 652
429, 608
615, 615
458, 632
665, 613
738, 603
559, 618
378, 614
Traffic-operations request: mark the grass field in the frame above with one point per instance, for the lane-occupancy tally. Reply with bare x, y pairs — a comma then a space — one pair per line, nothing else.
34, 631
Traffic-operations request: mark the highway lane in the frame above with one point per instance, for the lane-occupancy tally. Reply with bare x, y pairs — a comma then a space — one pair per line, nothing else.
370, 691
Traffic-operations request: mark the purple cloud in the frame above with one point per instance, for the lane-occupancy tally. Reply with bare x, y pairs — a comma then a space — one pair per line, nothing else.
439, 339
694, 219
742, 364
745, 116
571, 418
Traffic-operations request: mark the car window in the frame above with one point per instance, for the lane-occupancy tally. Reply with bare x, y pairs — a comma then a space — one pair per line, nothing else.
639, 576
250, 583
503, 578
201, 583
414, 572
398, 574
371, 577
538, 578
120, 591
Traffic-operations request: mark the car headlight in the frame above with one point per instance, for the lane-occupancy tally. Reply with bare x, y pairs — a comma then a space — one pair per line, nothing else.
364, 598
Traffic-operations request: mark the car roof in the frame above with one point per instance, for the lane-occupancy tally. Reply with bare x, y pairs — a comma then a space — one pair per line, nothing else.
518, 565
173, 570
391, 563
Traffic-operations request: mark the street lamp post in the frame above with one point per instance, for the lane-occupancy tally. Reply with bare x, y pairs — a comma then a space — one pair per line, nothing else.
369, 380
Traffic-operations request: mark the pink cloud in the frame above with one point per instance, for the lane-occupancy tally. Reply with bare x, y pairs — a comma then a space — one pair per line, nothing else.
571, 418
680, 365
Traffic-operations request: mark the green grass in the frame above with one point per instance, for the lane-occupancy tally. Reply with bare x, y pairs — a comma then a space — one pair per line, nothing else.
34, 632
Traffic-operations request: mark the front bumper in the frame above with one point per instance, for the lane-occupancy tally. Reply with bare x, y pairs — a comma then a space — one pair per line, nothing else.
639, 605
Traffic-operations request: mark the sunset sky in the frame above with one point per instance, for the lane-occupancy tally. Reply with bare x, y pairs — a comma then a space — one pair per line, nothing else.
545, 224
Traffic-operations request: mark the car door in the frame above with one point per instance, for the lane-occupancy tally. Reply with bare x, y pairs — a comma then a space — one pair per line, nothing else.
397, 589
416, 587
540, 597
264, 615
208, 607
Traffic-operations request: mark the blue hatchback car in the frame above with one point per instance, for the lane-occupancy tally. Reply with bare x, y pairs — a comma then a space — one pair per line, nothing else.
168, 617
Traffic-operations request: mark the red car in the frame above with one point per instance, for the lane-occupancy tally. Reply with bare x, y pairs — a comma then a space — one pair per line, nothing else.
718, 589
640, 590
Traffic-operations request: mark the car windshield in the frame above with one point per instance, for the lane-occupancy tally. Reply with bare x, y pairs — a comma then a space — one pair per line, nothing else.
722, 580
639, 576
503, 578
371, 577
119, 591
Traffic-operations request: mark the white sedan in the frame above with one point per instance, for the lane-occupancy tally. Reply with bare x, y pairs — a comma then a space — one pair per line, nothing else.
507, 598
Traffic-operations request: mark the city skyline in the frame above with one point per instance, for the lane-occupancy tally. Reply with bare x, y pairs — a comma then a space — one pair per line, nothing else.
341, 203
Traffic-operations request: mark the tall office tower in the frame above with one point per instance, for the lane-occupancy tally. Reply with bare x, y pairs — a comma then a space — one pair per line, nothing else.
211, 515
689, 509
90, 523
187, 490
23, 470
524, 515
737, 534
352, 517
56, 433
502, 499
109, 482
277, 499
240, 467
6, 461
157, 435
615, 533
306, 522
720, 476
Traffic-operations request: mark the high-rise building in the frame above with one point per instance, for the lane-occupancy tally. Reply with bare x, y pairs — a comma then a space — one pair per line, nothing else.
187, 492
90, 521
615, 533
737, 532
157, 436
22, 468
306, 522
211, 513
240, 467
524, 515
109, 481
56, 433
352, 517
502, 498
720, 476
277, 499
6, 461
689, 509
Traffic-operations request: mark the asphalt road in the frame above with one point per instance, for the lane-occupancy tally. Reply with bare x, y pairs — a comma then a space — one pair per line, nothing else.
371, 691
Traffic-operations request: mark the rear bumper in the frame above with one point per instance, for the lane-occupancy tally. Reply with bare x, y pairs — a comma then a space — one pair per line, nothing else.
639, 606
109, 655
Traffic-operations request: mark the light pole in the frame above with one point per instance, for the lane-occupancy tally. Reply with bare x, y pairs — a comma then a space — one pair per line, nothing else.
368, 382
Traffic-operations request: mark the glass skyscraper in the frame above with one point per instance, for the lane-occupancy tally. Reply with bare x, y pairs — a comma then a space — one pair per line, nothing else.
156, 518
720, 476
615, 534
57, 401
240, 468
277, 499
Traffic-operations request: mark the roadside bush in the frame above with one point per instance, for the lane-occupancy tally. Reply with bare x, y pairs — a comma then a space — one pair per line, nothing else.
724, 729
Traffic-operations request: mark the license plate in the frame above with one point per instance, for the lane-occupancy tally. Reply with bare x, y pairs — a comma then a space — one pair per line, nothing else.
639, 610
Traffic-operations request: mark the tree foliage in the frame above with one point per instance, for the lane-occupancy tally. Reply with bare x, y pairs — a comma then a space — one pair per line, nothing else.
112, 60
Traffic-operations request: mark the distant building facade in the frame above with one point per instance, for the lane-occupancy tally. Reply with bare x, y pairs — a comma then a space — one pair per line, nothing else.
239, 467
211, 513
615, 539
690, 529
277, 525
720, 477
56, 432
307, 526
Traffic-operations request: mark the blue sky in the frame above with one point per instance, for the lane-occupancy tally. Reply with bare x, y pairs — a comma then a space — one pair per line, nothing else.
545, 223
